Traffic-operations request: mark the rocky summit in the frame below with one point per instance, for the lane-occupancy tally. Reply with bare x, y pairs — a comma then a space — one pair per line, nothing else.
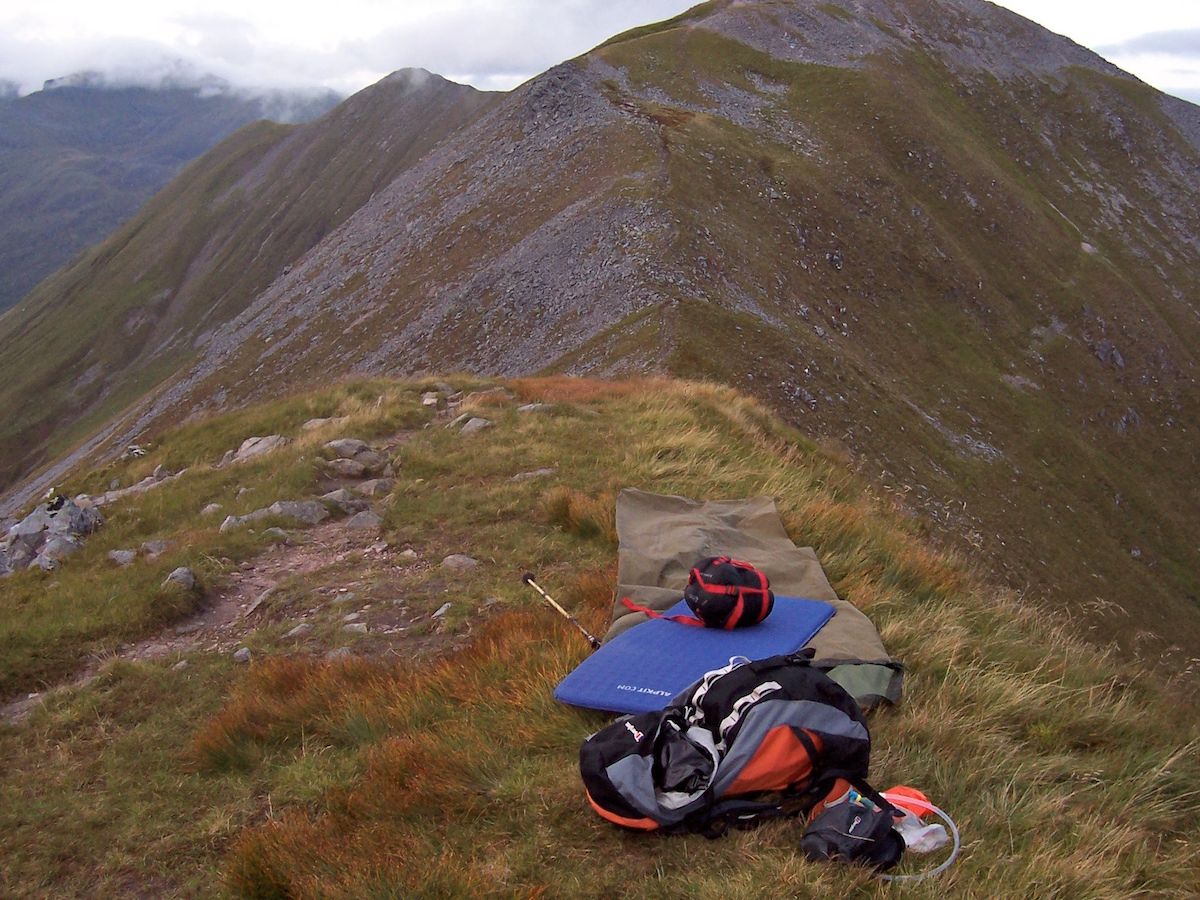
957, 248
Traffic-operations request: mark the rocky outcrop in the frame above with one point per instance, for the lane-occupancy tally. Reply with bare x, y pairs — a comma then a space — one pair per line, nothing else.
46, 536
305, 512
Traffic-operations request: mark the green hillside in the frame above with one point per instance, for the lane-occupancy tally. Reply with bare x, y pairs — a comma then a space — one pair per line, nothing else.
80, 158
429, 758
102, 332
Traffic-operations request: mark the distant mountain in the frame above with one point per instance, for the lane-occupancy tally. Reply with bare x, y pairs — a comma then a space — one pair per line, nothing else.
81, 156
938, 236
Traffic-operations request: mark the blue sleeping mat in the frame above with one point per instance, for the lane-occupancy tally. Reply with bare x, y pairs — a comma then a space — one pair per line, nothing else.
641, 669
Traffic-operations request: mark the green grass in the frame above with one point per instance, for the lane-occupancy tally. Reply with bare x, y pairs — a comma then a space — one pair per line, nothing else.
1070, 773
52, 623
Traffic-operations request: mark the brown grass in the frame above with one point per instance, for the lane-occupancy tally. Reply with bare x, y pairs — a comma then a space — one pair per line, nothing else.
569, 389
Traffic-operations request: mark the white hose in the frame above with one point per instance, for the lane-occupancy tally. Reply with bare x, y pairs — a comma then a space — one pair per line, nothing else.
897, 799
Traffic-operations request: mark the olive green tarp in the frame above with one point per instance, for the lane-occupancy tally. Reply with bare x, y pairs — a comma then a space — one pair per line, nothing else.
661, 537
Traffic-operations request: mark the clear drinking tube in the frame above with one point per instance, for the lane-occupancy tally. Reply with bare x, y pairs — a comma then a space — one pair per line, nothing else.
953, 833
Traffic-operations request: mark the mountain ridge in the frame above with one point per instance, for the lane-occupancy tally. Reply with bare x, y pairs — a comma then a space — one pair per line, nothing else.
978, 283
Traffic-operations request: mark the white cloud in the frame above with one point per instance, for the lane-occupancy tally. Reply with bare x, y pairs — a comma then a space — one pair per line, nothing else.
493, 44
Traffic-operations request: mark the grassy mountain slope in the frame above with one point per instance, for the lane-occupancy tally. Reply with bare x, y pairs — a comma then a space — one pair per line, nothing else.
102, 332
967, 252
376, 775
933, 233
78, 160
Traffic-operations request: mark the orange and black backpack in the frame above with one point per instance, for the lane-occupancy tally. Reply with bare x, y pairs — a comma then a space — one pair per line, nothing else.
752, 741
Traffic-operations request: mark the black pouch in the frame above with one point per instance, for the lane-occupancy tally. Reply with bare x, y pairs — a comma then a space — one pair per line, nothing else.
854, 832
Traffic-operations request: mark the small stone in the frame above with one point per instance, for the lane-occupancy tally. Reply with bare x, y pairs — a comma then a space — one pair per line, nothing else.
339, 653
346, 468
211, 510
242, 655
409, 555
352, 617
60, 547
122, 557
458, 420
278, 535
114, 484
355, 628
371, 460
533, 407
536, 473
475, 425
430, 399
376, 487
347, 448
299, 631
257, 446
442, 610
344, 501
180, 666
459, 562
365, 521
310, 512
183, 578
155, 548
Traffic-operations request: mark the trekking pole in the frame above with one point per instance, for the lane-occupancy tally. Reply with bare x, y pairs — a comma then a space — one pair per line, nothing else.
528, 579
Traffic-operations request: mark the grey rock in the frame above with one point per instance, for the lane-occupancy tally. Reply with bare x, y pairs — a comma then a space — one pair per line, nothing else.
347, 448
115, 484
443, 387
257, 446
310, 512
242, 655
339, 653
409, 555
60, 547
307, 512
211, 510
346, 468
45, 563
278, 535
533, 407
122, 557
371, 460
300, 630
344, 501
189, 628
160, 472
442, 610
155, 548
227, 459
355, 628
365, 521
536, 473
458, 420
314, 424
376, 487
180, 666
352, 617
182, 578
475, 425
459, 562
430, 399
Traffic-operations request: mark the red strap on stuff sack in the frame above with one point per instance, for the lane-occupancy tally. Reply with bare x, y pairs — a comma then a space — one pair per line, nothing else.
682, 620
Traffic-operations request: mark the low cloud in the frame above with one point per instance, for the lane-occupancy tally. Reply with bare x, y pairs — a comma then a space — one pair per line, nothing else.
491, 44
1185, 42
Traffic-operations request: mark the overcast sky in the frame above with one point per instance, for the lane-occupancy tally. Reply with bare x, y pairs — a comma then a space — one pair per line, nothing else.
348, 44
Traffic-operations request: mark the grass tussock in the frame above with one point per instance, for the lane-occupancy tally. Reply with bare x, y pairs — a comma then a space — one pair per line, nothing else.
1070, 773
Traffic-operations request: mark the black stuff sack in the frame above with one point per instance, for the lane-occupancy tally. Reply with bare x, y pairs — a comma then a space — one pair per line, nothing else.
728, 593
